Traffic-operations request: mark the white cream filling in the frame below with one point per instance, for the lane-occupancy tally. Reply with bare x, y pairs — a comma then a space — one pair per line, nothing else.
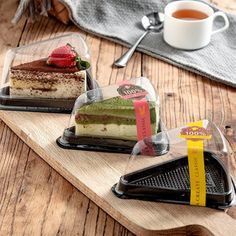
63, 87
128, 132
71, 90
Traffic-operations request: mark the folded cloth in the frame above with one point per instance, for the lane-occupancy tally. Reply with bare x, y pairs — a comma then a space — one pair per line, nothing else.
32, 9
120, 21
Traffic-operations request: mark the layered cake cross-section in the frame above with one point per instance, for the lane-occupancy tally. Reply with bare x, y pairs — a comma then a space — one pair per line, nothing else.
112, 118
37, 79
59, 76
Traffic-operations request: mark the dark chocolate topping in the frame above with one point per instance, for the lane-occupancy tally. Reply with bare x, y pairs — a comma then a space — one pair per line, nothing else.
41, 65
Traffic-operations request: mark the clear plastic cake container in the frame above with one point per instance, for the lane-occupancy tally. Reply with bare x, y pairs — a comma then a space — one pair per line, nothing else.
30, 84
198, 168
113, 118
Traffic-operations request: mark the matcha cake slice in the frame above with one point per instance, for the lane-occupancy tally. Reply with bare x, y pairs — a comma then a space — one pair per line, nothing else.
112, 118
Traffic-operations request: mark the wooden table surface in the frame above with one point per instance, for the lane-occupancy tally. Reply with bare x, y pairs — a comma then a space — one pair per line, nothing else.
35, 199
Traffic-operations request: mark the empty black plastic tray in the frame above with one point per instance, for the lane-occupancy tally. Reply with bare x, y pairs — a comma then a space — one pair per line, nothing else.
169, 182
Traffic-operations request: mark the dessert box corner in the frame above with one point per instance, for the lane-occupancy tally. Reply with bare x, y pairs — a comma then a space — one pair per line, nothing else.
184, 173
104, 120
28, 57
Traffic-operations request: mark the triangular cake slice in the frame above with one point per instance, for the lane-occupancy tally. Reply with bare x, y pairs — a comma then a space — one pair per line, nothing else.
112, 118
37, 79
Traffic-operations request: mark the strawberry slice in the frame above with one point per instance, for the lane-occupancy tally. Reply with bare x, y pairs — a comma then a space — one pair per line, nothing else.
66, 56
63, 56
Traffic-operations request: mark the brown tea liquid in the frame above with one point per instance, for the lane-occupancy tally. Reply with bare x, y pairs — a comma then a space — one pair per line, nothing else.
189, 14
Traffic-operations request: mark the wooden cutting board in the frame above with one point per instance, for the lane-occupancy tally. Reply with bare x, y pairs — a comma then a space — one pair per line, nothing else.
184, 97
94, 174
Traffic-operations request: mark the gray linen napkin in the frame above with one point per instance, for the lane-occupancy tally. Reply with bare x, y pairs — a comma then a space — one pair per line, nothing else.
119, 21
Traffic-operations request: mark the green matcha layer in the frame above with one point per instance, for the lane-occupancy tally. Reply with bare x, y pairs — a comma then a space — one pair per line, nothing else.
113, 118
115, 110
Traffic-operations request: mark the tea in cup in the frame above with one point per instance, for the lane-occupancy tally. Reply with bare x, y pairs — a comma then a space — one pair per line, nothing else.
189, 24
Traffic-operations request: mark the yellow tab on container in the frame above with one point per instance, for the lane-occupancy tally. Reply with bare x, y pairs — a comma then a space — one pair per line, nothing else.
196, 169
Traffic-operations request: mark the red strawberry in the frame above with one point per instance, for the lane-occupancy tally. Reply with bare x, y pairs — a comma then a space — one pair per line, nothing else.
64, 56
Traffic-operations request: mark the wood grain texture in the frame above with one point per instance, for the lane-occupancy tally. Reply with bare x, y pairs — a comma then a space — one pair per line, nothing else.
7, 10
35, 200
229, 5
185, 97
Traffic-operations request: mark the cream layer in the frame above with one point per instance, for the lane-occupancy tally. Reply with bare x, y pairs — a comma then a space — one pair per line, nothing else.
54, 85
126, 132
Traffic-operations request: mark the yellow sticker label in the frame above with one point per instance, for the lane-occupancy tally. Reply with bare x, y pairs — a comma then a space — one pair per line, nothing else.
195, 137
195, 131
196, 161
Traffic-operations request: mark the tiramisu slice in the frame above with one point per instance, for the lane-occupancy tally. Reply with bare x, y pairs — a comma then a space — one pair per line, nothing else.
60, 76
112, 118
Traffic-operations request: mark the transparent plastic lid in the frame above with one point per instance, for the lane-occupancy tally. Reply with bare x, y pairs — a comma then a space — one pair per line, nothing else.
46, 74
106, 118
198, 168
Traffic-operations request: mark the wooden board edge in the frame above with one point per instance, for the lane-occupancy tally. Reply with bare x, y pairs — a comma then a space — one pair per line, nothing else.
134, 228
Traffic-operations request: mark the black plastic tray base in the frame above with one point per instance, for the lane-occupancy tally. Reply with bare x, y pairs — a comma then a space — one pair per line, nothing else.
92, 147
169, 182
156, 199
39, 104
71, 141
38, 109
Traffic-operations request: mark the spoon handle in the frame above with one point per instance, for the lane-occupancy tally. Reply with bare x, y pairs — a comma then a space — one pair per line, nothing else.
123, 60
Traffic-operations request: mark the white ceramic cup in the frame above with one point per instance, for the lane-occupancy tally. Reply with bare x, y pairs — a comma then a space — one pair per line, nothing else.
190, 34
